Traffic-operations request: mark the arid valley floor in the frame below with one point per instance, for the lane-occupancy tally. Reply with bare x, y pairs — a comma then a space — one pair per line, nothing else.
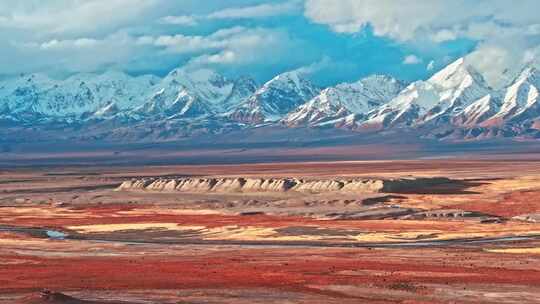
416, 231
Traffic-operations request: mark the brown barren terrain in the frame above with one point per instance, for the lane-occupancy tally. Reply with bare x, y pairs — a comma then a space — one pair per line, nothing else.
69, 235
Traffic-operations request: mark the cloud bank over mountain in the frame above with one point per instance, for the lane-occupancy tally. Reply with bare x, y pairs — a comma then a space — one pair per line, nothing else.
265, 38
507, 32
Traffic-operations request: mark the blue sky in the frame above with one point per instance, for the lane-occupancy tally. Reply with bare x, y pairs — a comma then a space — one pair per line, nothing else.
332, 40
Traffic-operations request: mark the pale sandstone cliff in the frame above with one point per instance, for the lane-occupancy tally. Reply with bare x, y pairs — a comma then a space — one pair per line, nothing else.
239, 184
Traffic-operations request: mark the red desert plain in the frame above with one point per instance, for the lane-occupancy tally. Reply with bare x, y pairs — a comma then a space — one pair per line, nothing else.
417, 231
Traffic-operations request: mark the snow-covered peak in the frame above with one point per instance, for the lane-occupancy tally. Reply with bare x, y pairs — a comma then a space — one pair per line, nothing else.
276, 98
199, 92
530, 75
452, 70
457, 85
292, 80
245, 82
378, 81
107, 111
25, 81
290, 85
436, 100
375, 88
37, 95
207, 84
243, 88
344, 100
292, 76
457, 74
478, 112
521, 98
35, 78
195, 76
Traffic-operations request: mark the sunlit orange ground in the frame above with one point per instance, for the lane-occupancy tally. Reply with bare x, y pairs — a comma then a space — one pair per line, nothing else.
246, 274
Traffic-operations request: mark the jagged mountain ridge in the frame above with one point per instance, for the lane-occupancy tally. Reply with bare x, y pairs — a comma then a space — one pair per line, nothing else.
455, 103
344, 102
36, 96
437, 99
275, 99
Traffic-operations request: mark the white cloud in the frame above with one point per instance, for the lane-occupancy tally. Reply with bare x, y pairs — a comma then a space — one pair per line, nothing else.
506, 30
247, 47
179, 20
185, 44
436, 18
223, 57
229, 38
70, 16
67, 44
444, 35
388, 18
246, 12
257, 11
227, 32
411, 59
315, 67
61, 37
532, 56
62, 57
498, 64
92, 34
235, 45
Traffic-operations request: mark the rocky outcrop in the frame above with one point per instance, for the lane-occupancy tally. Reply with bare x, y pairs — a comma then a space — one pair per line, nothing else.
239, 184
318, 186
195, 185
269, 184
531, 217
140, 184
366, 185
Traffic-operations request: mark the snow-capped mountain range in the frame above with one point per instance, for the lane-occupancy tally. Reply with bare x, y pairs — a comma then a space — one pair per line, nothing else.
274, 99
455, 103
